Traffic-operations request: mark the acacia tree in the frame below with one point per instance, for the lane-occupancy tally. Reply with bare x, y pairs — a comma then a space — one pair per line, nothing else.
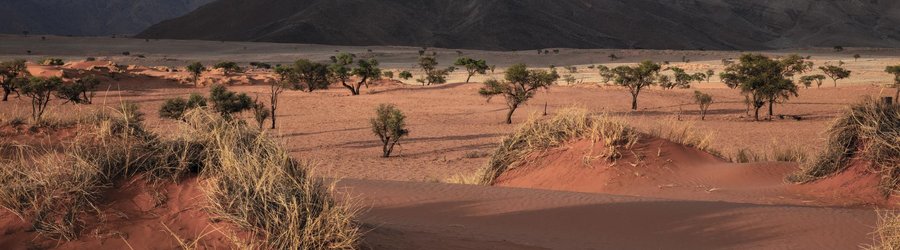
835, 72
389, 125
341, 70
895, 70
520, 85
637, 78
808, 80
709, 74
405, 75
196, 69
81, 91
795, 65
9, 72
228, 67
433, 75
760, 78
40, 90
366, 71
176, 107
606, 74
313, 74
227, 103
472, 66
682, 79
704, 100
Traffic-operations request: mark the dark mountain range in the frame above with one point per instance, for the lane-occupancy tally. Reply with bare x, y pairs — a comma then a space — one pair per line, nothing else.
89, 17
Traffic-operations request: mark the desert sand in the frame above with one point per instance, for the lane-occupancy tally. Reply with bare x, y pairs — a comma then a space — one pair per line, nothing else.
676, 198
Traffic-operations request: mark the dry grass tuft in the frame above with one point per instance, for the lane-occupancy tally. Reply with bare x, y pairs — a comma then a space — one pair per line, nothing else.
887, 234
870, 131
255, 184
684, 133
252, 182
568, 124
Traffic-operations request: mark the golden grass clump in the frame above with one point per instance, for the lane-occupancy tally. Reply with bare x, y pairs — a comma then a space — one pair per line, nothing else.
568, 124
684, 133
887, 233
54, 190
255, 184
868, 131
249, 179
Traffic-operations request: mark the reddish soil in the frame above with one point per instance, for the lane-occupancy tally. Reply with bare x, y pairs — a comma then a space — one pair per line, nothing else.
660, 168
132, 217
673, 197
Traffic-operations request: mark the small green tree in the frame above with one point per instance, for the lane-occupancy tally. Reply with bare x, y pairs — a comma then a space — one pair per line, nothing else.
176, 107
699, 77
808, 80
704, 100
682, 79
314, 75
761, 79
366, 71
856, 57
81, 91
228, 67
710, 74
613, 57
10, 71
895, 70
405, 75
40, 90
472, 66
795, 65
388, 74
433, 75
227, 103
260, 113
341, 70
835, 72
520, 85
606, 74
389, 125
637, 78
196, 69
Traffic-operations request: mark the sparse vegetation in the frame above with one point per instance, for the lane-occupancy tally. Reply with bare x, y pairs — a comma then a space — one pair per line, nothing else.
887, 232
196, 69
520, 85
893, 70
175, 108
472, 66
835, 72
228, 67
761, 79
808, 80
637, 78
251, 181
52, 62
40, 90
568, 124
704, 100
11, 74
433, 75
389, 125
260, 113
81, 91
868, 131
682, 79
228, 103
405, 75
684, 133
314, 75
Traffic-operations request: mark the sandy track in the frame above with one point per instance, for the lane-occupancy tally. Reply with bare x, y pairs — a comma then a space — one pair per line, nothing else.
408, 215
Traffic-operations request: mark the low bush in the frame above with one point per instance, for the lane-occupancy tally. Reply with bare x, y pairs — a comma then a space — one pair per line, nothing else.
869, 131
568, 124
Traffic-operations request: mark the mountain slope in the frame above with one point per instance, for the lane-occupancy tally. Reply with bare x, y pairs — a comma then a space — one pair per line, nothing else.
89, 17
531, 24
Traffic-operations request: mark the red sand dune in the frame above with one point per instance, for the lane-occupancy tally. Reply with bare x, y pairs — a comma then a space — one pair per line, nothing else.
663, 169
409, 215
